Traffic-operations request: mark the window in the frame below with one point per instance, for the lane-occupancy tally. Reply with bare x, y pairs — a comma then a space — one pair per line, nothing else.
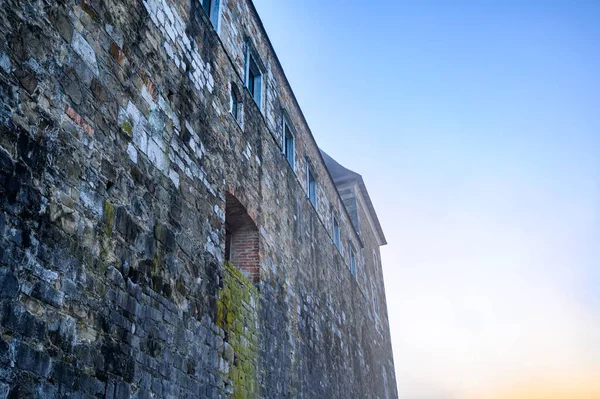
254, 72
211, 8
288, 142
336, 234
375, 302
352, 261
311, 184
234, 103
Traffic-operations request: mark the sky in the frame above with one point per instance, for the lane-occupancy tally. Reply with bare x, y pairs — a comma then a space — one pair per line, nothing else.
476, 127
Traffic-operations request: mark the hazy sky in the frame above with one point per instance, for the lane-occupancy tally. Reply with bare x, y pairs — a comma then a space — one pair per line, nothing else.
477, 129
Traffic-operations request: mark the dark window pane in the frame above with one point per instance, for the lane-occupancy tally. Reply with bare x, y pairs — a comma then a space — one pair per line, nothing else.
312, 187
251, 78
336, 233
207, 5
288, 142
234, 104
290, 150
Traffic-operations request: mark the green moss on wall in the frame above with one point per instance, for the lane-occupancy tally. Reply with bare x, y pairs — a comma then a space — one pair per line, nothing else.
237, 315
127, 128
109, 215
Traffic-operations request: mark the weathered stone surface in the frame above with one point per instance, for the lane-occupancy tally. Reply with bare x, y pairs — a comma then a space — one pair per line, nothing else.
4, 390
4, 355
118, 154
5, 63
32, 360
85, 51
20, 321
9, 285
47, 294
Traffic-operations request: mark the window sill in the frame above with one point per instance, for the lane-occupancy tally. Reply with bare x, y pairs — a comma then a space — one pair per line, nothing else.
314, 205
237, 122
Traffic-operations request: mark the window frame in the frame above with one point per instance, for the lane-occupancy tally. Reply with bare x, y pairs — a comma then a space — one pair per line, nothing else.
212, 8
234, 102
311, 183
288, 127
375, 300
337, 234
353, 262
254, 73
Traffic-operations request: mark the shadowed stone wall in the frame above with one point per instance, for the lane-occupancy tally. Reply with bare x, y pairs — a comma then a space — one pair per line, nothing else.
117, 150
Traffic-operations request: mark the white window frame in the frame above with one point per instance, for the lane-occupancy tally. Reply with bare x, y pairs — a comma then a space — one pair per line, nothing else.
353, 262
235, 103
212, 8
254, 65
288, 127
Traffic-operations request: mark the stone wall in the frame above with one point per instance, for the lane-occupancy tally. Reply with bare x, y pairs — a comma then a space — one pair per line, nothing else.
117, 151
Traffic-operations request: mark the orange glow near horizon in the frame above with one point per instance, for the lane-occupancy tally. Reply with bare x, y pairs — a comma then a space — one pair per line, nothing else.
559, 387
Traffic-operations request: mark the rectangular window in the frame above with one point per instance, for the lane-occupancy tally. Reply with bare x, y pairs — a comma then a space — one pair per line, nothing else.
336, 234
352, 262
211, 8
288, 142
375, 303
254, 77
311, 184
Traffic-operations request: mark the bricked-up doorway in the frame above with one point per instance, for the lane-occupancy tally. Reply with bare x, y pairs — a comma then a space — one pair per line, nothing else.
241, 239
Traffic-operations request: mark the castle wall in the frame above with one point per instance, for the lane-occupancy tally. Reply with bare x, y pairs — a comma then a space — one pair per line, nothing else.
117, 149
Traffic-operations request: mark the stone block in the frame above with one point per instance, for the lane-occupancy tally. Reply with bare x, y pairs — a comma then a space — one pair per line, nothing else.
156, 155
32, 360
9, 285
4, 352
126, 225
16, 318
117, 53
165, 235
91, 385
45, 293
99, 91
85, 51
46, 390
122, 390
62, 25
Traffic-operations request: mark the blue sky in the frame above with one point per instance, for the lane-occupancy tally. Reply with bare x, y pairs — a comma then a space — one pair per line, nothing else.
476, 126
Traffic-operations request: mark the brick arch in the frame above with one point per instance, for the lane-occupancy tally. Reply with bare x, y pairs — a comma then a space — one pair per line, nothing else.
241, 239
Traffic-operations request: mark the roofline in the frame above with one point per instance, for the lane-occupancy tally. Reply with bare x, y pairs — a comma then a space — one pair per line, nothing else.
372, 213
301, 113
350, 176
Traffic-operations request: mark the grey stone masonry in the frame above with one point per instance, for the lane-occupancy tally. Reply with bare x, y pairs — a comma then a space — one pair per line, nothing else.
118, 151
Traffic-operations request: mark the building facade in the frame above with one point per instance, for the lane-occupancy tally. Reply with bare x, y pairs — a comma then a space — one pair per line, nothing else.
168, 225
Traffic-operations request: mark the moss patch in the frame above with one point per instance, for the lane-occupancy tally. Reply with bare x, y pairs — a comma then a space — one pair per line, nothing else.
237, 315
109, 216
127, 128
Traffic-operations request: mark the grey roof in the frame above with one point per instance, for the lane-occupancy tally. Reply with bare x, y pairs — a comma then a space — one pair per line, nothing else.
341, 175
